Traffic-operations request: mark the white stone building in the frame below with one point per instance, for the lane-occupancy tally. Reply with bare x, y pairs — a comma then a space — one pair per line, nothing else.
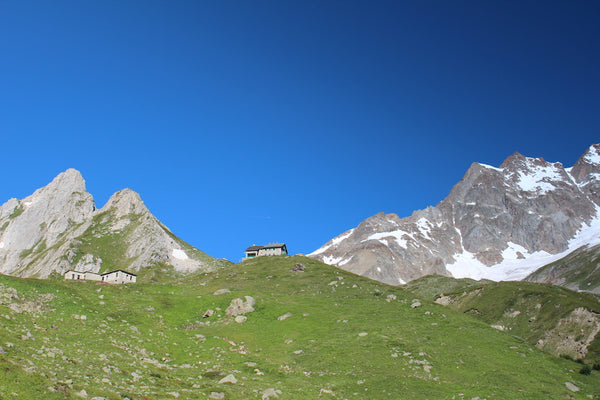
275, 249
119, 276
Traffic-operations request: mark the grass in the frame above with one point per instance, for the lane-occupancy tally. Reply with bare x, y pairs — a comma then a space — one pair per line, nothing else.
347, 337
526, 310
17, 211
111, 246
578, 270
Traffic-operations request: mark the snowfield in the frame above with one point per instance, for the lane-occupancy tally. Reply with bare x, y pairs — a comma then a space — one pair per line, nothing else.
179, 254
514, 269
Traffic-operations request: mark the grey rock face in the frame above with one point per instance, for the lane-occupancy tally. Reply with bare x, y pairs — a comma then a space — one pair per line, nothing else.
58, 228
240, 307
577, 271
492, 216
42, 221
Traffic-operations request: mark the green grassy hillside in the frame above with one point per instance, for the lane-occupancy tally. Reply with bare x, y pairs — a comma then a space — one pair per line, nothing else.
579, 270
558, 320
317, 333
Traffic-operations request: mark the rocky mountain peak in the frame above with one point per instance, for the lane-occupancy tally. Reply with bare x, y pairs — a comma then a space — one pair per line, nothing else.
125, 202
493, 221
592, 155
58, 228
71, 176
586, 172
67, 182
588, 165
515, 159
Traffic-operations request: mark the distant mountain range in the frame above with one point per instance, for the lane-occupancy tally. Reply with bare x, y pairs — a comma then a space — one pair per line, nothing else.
497, 223
59, 228
501, 223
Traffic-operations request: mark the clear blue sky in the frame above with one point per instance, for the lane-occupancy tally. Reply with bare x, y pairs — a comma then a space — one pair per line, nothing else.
243, 122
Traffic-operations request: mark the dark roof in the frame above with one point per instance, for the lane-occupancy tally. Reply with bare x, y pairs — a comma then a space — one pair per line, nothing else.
266, 246
119, 270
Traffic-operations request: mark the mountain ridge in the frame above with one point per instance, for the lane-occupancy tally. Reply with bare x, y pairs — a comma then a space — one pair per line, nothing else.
59, 227
496, 223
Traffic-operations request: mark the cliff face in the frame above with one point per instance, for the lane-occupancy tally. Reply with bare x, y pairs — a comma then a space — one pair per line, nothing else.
496, 223
58, 228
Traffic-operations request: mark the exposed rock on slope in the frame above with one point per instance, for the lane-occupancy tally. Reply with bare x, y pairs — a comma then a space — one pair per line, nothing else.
58, 228
496, 223
556, 320
580, 270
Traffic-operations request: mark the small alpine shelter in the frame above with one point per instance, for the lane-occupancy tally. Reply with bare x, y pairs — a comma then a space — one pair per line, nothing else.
275, 249
119, 276
84, 276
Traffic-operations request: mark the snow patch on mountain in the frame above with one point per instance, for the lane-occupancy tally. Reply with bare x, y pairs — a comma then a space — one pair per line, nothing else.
593, 156
539, 179
180, 254
468, 266
514, 252
334, 242
331, 260
397, 235
424, 227
515, 267
491, 167
344, 262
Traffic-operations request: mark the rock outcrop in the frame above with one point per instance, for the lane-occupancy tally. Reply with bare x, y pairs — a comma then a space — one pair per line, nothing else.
496, 223
58, 228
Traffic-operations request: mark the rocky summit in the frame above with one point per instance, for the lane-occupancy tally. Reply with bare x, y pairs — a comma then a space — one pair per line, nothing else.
59, 228
497, 223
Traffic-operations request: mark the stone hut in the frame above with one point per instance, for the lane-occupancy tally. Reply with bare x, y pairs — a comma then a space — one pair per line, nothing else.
119, 276
275, 249
84, 276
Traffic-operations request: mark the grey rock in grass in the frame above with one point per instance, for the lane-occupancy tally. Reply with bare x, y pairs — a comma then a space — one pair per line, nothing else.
299, 267
271, 392
572, 387
15, 307
240, 307
284, 316
228, 379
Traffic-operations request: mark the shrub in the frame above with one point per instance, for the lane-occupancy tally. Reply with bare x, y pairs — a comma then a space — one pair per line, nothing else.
596, 366
567, 357
585, 370
55, 276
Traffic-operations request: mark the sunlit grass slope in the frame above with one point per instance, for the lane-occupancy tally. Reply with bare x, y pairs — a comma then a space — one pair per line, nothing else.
344, 337
532, 311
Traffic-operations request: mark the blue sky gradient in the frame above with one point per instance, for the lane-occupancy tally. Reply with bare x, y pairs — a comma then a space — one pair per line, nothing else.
249, 122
